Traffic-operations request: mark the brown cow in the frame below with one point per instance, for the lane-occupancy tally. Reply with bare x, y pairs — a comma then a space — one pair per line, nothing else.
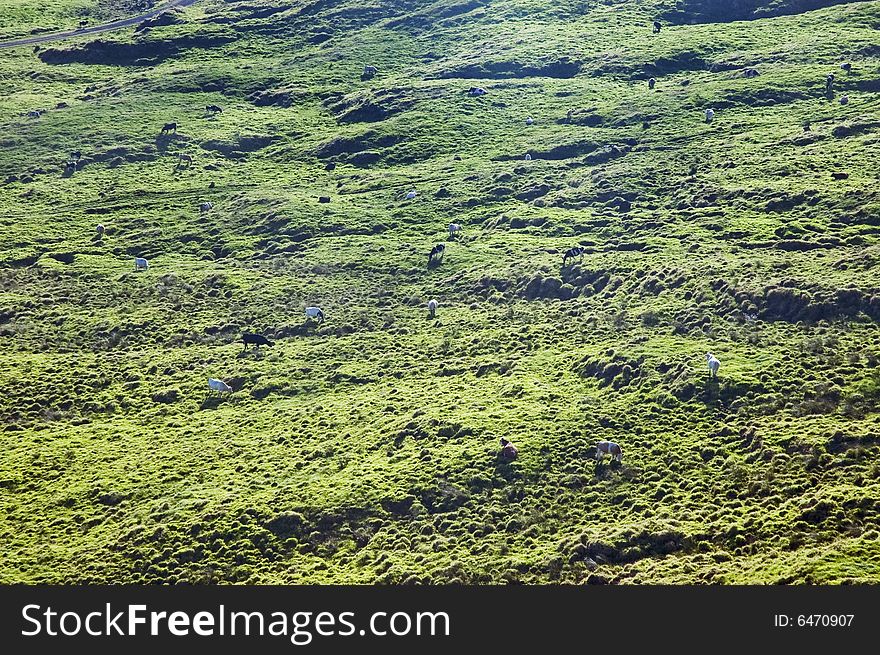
609, 448
508, 450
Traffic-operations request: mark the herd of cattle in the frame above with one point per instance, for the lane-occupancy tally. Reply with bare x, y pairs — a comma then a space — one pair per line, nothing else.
435, 256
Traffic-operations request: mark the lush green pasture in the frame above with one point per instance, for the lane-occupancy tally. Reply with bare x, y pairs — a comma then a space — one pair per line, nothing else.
365, 449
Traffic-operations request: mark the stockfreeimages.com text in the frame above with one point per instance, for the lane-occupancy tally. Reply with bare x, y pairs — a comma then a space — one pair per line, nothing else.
299, 627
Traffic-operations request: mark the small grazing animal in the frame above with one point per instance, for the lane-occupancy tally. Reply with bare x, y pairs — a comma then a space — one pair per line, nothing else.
477, 91
206, 207
844, 100
412, 194
436, 253
76, 154
99, 230
141, 264
829, 83
508, 450
183, 157
214, 109
369, 71
573, 253
807, 127
710, 115
657, 26
454, 229
652, 83
432, 307
324, 199
528, 157
840, 176
219, 386
331, 166
256, 340
713, 364
169, 127
530, 121
847, 67
609, 448
751, 72
315, 313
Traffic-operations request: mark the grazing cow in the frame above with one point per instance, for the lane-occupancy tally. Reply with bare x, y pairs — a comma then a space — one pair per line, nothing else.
219, 386
76, 154
839, 176
710, 115
324, 199
432, 307
99, 230
315, 313
568, 115
652, 83
411, 194
847, 67
169, 127
807, 127
656, 28
713, 364
844, 100
829, 83
572, 253
141, 264
369, 72
34, 113
751, 72
454, 229
257, 340
183, 157
609, 448
508, 450
331, 166
528, 157
477, 91
213, 109
436, 253
530, 121
206, 207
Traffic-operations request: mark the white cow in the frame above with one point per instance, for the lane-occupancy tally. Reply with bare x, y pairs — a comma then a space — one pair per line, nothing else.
99, 229
454, 228
713, 364
710, 115
528, 157
530, 121
219, 386
141, 264
315, 313
432, 307
412, 194
206, 207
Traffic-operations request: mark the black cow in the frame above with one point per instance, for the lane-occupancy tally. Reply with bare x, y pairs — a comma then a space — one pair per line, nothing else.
572, 253
436, 253
169, 127
257, 340
214, 109
656, 27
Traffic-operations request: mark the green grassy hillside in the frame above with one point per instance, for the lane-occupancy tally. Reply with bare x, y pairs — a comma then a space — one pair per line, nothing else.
365, 449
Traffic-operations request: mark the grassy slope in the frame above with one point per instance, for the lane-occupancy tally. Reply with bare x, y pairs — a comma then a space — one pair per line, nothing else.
365, 450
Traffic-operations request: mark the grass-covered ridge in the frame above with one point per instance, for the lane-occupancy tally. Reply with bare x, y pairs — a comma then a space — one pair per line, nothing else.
365, 449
